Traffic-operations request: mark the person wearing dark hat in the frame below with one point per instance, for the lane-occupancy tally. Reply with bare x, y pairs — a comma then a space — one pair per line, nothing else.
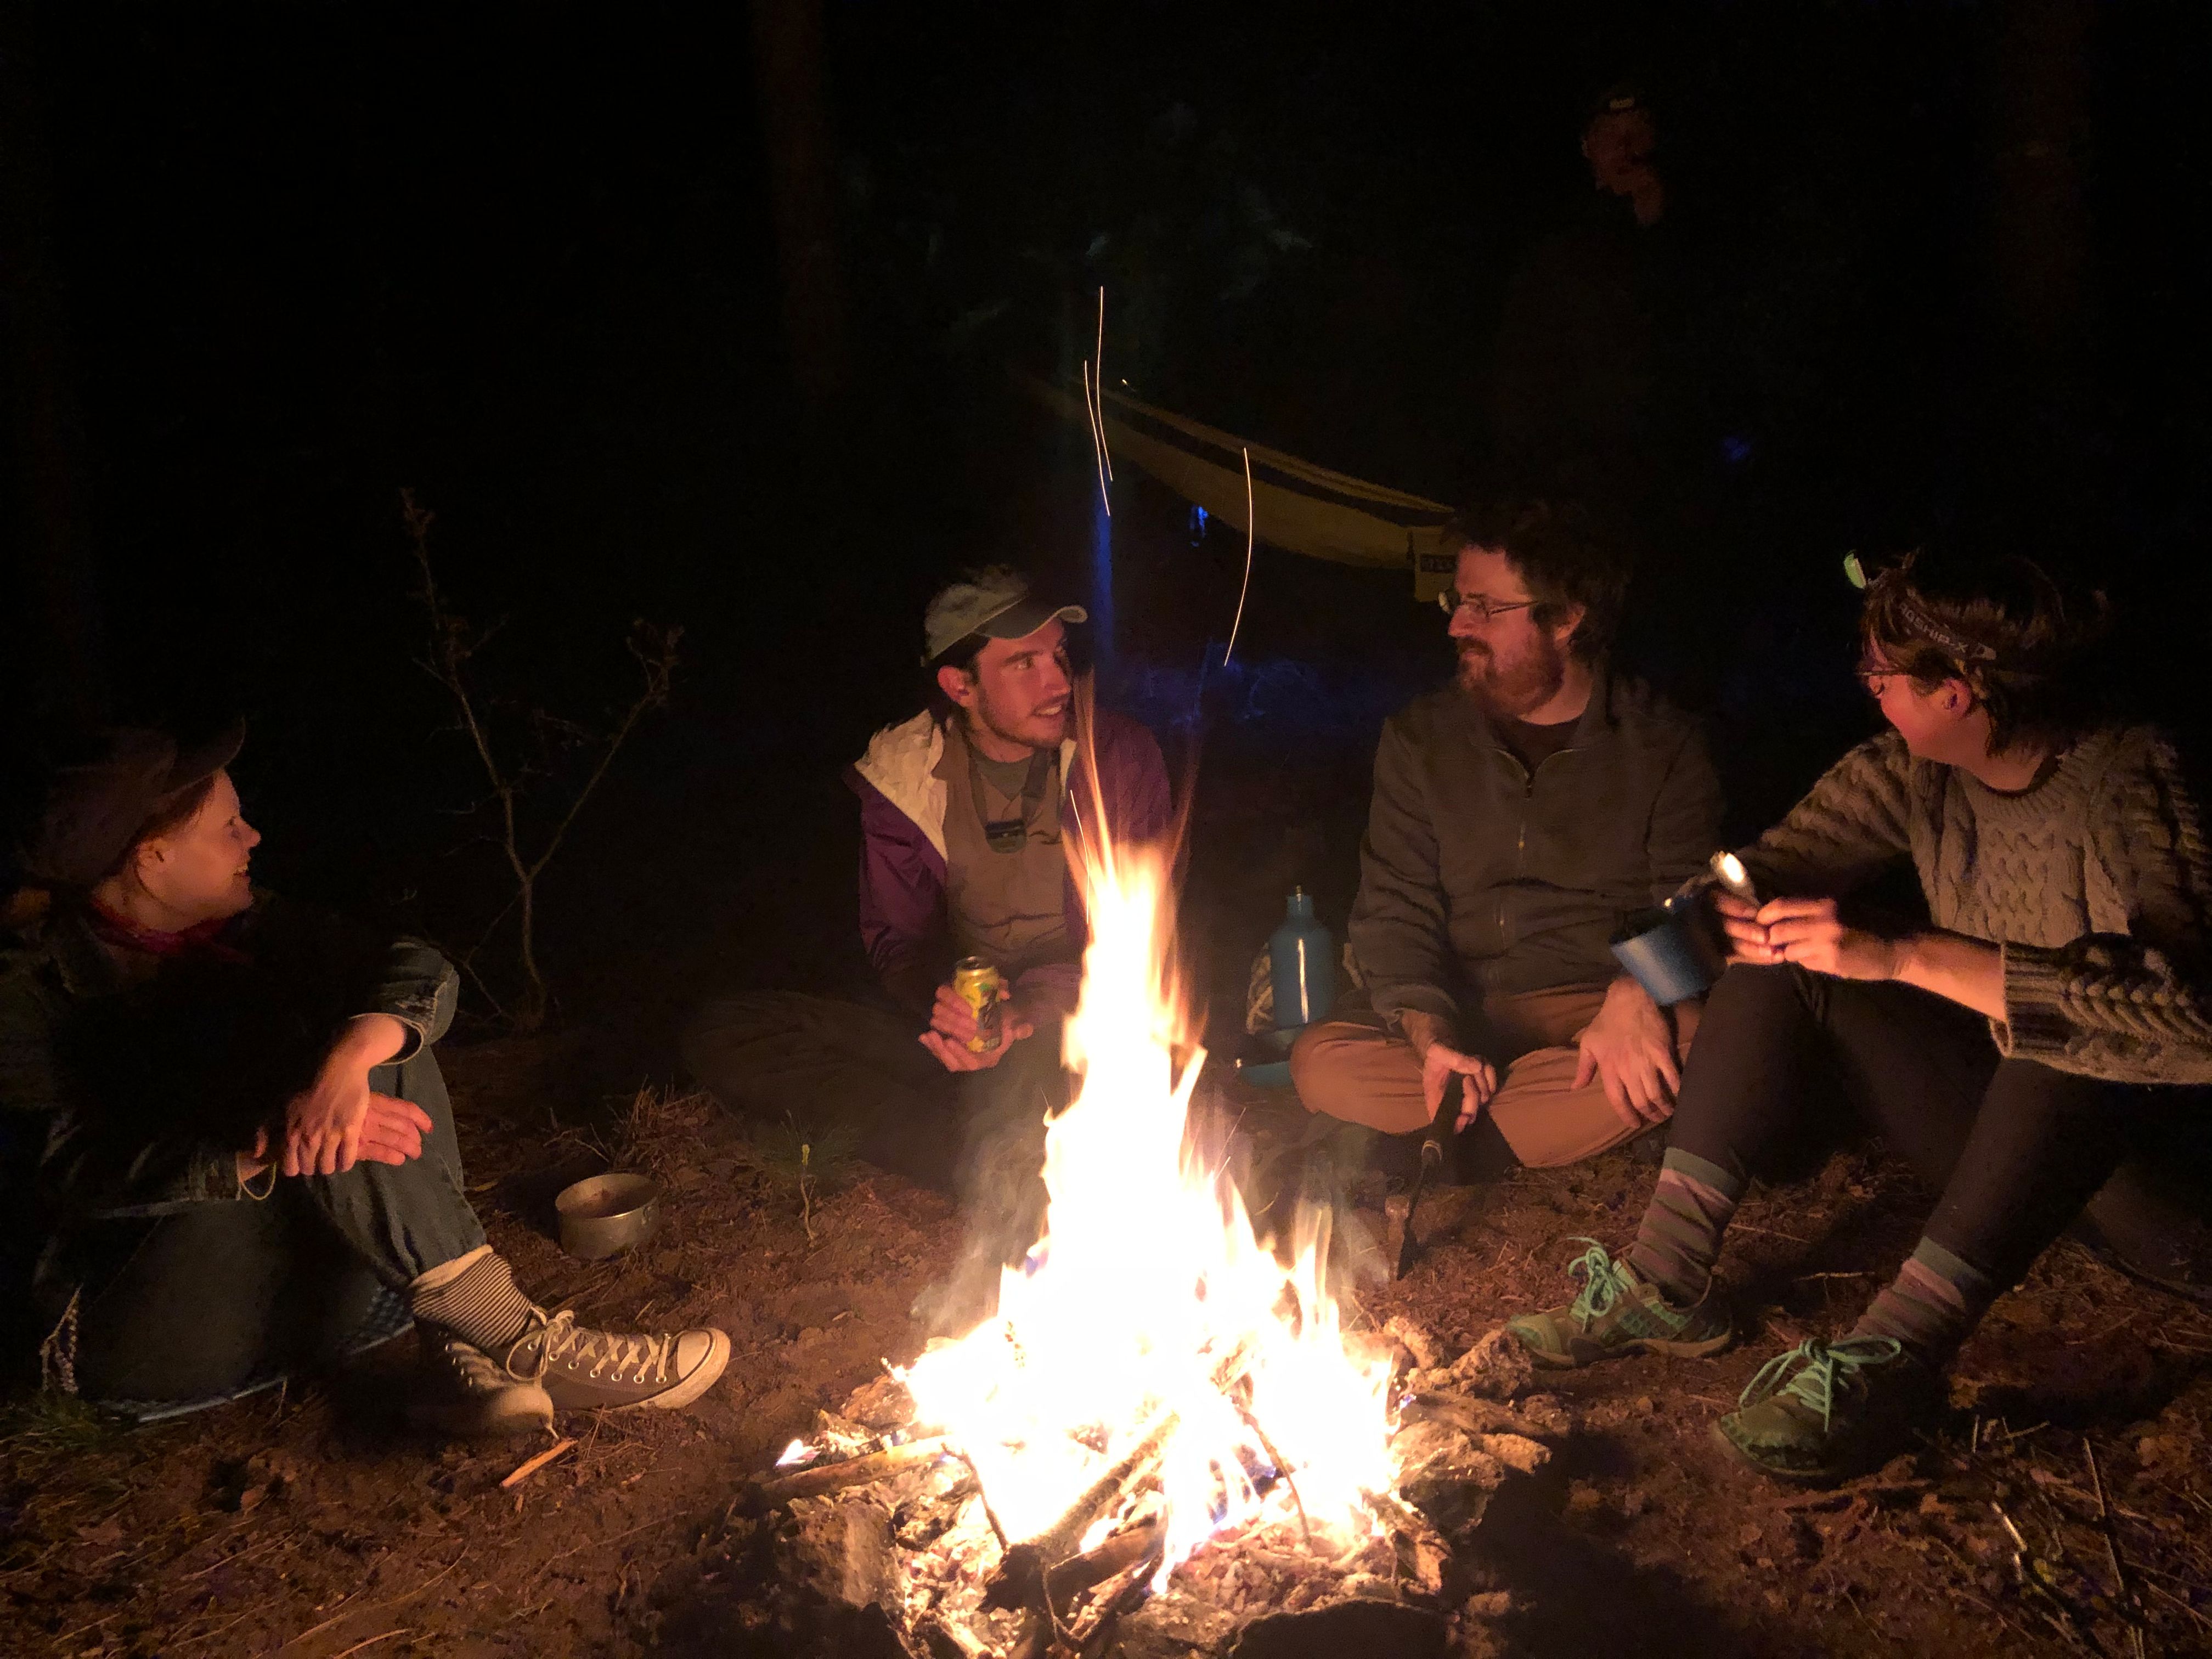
1601, 378
963, 809
243, 1157
1619, 143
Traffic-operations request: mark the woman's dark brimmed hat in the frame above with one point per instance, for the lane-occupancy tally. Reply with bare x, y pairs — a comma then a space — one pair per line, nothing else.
95, 807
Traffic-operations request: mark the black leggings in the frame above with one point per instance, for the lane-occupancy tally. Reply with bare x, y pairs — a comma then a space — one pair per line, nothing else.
2015, 1148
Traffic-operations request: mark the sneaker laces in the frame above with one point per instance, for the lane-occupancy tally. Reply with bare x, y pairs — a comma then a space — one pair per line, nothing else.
562, 1342
1826, 1366
464, 1363
1604, 1284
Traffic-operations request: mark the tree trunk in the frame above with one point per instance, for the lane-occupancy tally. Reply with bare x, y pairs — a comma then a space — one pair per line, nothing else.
788, 70
60, 642
2045, 426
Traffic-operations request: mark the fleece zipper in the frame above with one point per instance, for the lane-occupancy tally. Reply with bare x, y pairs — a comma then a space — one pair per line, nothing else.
1521, 832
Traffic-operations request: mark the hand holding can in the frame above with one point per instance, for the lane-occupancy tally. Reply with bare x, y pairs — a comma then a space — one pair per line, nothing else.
981, 987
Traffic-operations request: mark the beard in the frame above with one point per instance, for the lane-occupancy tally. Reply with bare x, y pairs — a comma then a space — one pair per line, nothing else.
1513, 686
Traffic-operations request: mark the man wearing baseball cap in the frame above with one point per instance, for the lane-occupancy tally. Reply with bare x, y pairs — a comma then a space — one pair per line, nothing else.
963, 810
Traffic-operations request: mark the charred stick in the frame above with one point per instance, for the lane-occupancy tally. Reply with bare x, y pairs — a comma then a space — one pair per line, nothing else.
1407, 1243
1019, 1581
1092, 1633
1230, 1371
1282, 1465
1415, 1546
1035, 1640
1117, 1554
1132, 1468
854, 1471
989, 1514
960, 1640
2127, 1590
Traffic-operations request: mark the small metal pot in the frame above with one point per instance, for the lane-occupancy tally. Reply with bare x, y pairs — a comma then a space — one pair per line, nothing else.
607, 1214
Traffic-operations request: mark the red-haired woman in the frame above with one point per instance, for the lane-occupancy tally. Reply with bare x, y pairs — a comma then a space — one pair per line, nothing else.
235, 1132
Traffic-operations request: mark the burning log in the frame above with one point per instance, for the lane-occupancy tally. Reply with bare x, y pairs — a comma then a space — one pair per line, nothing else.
1199, 1398
1124, 1550
1090, 1633
854, 1471
1254, 1580
1020, 1580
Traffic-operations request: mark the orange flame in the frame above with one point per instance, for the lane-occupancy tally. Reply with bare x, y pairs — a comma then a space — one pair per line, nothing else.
1149, 1291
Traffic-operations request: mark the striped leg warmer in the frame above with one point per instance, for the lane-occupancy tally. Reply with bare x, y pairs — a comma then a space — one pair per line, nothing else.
1680, 1237
1931, 1306
474, 1297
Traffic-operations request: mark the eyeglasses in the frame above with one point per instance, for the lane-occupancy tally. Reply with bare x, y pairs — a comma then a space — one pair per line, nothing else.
1875, 679
1451, 600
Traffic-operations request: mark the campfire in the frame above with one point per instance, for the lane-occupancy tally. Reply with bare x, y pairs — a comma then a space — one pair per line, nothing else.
1170, 1427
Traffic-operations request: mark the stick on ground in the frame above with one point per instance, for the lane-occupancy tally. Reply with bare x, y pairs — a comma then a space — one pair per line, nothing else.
533, 1465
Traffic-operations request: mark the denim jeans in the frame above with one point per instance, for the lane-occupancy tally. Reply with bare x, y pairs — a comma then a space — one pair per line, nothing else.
200, 1301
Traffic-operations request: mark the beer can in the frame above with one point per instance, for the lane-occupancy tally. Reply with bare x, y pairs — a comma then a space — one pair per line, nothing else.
976, 983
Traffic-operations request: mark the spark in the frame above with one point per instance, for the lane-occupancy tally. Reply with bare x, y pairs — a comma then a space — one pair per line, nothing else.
1250, 526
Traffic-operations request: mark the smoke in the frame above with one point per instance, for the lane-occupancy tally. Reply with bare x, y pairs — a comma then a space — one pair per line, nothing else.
999, 1177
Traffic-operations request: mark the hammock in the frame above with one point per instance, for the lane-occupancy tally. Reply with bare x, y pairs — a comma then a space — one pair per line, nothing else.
1301, 508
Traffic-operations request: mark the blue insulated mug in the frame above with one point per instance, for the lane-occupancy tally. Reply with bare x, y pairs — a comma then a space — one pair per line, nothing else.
1665, 951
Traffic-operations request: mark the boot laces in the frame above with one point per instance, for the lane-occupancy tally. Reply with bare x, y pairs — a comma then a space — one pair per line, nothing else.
1604, 1284
559, 1341
1826, 1367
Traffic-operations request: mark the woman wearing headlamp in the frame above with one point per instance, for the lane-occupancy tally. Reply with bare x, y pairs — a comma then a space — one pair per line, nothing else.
2057, 1009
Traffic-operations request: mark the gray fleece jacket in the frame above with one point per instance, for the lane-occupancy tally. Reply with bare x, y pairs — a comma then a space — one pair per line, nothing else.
1478, 878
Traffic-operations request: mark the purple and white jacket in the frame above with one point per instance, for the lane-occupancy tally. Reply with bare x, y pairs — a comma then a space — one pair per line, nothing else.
903, 916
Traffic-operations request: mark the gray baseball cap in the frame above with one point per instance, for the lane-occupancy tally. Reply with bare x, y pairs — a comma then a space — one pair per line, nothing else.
995, 603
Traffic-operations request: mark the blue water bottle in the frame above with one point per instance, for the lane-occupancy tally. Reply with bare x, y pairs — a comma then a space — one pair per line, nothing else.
1301, 958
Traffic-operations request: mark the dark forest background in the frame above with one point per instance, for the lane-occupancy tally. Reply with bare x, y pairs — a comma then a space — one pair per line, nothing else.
707, 317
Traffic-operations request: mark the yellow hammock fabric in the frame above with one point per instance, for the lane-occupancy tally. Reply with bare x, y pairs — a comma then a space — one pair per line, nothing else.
1301, 508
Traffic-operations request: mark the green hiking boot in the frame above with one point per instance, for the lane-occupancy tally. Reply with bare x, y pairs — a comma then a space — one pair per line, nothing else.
1617, 1312
1825, 1411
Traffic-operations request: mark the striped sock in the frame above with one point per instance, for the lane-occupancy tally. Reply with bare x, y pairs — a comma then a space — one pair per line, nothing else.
1930, 1307
1680, 1237
479, 1303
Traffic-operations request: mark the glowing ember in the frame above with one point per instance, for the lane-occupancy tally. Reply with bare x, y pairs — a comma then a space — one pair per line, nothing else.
1149, 1316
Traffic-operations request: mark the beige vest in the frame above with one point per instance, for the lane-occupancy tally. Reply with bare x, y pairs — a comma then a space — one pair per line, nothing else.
1009, 908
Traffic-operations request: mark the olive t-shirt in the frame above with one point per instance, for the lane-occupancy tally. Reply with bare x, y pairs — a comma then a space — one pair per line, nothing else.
1009, 778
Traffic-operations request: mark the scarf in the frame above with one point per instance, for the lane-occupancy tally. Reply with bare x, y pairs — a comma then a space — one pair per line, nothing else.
202, 938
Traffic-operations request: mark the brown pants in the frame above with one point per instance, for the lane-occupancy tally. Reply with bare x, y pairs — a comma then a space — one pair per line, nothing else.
1355, 1069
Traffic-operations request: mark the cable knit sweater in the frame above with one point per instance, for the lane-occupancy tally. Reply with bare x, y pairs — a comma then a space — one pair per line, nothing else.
2097, 883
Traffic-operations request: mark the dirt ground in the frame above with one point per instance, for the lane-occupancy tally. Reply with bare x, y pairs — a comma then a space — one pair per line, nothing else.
310, 1523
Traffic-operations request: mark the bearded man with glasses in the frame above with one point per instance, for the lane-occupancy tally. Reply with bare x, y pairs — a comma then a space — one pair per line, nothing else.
1519, 815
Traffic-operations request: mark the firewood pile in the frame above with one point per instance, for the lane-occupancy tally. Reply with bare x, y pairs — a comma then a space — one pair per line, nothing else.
877, 1512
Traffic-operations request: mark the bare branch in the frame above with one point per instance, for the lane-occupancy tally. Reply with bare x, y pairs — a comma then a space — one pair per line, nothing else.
657, 661
453, 642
